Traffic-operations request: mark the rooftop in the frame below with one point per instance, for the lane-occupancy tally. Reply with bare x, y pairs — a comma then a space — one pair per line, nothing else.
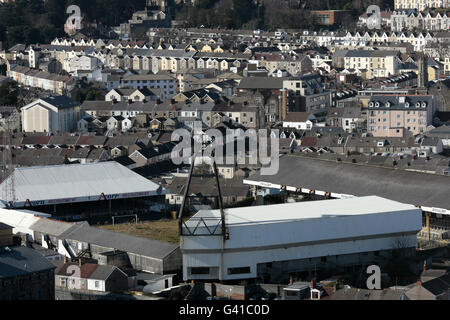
119, 241
360, 180
78, 183
22, 260
307, 210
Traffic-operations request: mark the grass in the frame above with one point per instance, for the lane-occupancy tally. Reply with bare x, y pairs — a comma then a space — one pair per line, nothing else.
162, 230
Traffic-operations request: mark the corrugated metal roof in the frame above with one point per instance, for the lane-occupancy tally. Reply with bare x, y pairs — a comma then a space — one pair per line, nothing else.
50, 227
119, 241
79, 183
20, 220
303, 210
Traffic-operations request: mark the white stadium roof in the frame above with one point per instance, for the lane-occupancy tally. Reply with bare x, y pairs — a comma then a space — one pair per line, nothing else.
307, 222
38, 186
303, 211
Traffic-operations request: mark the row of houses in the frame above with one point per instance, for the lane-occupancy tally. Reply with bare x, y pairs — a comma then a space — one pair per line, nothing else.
420, 4
362, 39
185, 108
141, 59
55, 83
409, 19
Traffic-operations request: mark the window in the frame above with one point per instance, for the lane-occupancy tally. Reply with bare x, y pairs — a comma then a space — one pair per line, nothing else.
97, 284
291, 293
240, 270
200, 270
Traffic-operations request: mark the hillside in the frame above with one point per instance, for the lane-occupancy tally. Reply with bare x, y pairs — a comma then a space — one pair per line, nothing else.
33, 21
269, 14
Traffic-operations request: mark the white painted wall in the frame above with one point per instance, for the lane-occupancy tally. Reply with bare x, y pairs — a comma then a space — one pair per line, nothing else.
283, 240
91, 285
158, 285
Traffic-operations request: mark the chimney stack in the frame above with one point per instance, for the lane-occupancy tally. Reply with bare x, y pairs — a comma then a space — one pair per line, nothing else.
284, 103
6, 235
313, 283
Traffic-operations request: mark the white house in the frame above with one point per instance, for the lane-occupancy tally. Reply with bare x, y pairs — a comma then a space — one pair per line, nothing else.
119, 123
86, 63
299, 120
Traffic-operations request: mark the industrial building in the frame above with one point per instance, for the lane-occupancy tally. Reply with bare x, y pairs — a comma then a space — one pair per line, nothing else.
79, 190
274, 241
139, 253
79, 240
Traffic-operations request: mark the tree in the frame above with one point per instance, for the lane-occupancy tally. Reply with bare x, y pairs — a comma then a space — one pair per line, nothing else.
3, 69
9, 94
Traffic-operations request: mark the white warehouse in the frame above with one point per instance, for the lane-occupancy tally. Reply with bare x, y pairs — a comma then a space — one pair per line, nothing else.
278, 239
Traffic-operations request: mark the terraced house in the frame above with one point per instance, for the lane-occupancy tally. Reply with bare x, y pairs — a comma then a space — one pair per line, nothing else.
421, 4
372, 63
393, 116
409, 19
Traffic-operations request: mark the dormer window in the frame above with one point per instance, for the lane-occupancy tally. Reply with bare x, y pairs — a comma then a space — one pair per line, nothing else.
371, 104
424, 104
406, 104
377, 104
387, 104
417, 104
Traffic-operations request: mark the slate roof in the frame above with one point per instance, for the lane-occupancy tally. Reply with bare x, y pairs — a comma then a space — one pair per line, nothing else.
261, 83
86, 269
61, 102
297, 116
50, 227
22, 260
4, 226
103, 272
